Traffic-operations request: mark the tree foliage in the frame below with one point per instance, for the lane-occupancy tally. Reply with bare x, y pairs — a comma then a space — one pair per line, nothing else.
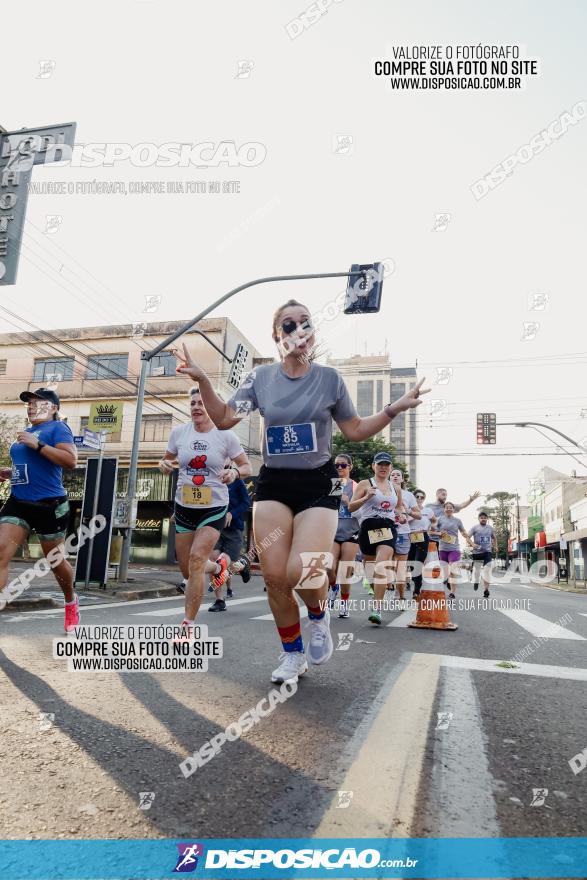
499, 514
9, 427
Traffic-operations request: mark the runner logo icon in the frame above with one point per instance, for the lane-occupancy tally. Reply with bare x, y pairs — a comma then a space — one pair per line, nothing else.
187, 861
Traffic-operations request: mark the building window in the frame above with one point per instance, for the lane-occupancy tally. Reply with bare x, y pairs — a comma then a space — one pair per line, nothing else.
106, 366
3, 368
83, 423
163, 364
365, 398
398, 389
379, 404
559, 511
52, 367
155, 428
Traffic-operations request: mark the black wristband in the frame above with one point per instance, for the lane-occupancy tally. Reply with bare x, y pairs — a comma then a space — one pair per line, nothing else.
40, 445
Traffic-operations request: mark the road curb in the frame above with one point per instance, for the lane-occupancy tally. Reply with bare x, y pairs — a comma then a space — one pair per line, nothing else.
133, 595
32, 603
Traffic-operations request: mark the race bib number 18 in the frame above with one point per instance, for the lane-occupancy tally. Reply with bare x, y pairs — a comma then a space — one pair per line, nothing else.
191, 495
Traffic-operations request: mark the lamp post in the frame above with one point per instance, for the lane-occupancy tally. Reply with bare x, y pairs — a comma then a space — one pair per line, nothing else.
538, 425
363, 271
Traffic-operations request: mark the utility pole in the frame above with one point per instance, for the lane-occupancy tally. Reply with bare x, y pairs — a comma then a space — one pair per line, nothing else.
367, 279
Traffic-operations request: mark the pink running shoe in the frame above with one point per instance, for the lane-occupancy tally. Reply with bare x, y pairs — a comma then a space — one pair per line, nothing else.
187, 632
72, 616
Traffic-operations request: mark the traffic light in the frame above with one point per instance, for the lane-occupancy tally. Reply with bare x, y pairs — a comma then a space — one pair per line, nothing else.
237, 366
486, 428
363, 293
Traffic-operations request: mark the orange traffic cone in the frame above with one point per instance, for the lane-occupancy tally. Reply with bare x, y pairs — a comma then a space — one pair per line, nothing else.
432, 607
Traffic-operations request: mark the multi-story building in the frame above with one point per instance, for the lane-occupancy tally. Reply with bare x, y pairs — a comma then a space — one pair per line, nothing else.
576, 539
101, 364
372, 382
552, 497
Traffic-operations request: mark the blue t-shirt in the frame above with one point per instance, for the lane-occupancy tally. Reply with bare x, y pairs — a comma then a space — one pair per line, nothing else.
34, 476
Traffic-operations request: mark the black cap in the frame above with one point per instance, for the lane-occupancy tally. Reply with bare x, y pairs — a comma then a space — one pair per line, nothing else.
41, 394
382, 456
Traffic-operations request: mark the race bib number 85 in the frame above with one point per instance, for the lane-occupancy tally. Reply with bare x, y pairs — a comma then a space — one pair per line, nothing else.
291, 439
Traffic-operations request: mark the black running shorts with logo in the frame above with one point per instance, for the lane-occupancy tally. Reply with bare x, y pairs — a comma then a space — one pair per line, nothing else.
300, 489
190, 519
484, 557
48, 517
369, 543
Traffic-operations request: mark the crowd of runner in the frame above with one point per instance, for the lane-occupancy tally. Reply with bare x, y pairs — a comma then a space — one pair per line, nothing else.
326, 522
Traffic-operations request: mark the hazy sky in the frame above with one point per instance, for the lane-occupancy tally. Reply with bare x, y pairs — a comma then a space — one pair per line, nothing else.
156, 72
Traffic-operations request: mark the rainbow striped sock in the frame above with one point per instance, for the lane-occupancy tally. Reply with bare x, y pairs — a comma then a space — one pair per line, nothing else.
291, 637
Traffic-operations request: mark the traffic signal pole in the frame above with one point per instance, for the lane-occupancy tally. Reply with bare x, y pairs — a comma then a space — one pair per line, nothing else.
146, 356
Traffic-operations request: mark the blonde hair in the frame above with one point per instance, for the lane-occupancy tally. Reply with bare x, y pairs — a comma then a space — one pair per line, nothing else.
287, 305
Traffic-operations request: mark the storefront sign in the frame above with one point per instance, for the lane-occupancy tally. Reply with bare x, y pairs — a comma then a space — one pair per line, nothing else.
106, 416
19, 151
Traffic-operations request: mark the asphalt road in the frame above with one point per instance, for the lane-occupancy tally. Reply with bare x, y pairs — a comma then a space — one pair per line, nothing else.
83, 746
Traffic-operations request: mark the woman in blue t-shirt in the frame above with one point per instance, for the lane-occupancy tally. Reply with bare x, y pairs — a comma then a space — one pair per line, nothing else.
38, 502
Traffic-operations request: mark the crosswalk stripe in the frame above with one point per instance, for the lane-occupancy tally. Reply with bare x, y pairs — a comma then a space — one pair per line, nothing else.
403, 619
385, 789
539, 627
572, 673
167, 612
303, 614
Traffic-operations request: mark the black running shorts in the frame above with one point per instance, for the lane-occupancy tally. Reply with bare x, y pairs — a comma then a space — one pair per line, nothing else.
48, 517
300, 489
377, 526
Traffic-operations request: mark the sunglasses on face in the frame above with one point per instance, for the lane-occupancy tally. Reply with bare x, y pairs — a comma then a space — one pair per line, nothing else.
340, 464
420, 496
289, 325
383, 463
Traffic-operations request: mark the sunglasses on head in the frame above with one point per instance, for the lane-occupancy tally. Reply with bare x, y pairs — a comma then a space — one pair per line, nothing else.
341, 464
289, 325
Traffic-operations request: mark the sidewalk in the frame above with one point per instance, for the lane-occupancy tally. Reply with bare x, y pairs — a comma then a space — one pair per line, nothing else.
143, 583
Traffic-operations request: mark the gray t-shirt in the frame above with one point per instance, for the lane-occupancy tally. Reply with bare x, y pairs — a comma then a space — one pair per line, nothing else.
437, 509
483, 538
297, 413
449, 526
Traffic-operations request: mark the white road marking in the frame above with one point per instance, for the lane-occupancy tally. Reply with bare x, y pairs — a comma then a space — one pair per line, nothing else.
572, 673
385, 780
459, 797
303, 614
404, 618
539, 627
167, 612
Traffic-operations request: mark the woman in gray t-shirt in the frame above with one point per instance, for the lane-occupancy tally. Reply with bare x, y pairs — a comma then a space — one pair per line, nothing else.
295, 514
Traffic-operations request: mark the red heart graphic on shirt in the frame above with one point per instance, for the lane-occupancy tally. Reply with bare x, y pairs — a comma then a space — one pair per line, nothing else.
385, 505
198, 479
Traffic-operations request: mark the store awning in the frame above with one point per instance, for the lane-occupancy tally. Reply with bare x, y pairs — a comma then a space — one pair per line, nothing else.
577, 535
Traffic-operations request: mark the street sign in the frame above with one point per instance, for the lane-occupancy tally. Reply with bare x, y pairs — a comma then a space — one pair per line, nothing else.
486, 428
106, 417
19, 151
237, 366
363, 294
92, 439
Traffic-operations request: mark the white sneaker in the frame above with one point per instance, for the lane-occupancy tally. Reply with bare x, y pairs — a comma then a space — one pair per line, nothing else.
344, 611
320, 645
292, 665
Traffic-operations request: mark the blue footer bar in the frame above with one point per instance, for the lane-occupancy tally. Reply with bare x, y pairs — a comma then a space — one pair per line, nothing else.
267, 859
